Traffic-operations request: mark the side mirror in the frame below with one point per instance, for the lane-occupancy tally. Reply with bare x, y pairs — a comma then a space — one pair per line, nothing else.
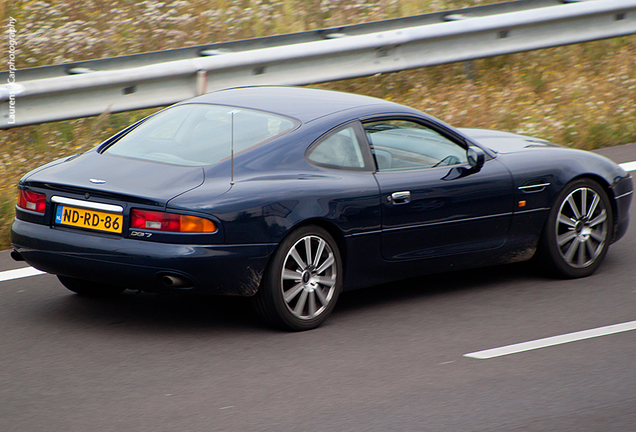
476, 158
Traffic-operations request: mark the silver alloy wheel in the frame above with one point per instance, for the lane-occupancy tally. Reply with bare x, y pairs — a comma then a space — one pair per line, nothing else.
581, 227
308, 279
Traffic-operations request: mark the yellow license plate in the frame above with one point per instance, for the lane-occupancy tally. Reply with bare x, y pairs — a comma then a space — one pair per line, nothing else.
89, 219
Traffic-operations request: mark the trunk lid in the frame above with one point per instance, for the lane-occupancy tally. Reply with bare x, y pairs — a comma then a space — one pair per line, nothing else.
118, 178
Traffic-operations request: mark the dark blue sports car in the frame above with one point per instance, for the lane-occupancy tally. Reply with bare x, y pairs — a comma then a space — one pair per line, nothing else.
291, 195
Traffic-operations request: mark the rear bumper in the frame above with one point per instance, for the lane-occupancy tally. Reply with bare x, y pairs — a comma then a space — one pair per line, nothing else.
138, 264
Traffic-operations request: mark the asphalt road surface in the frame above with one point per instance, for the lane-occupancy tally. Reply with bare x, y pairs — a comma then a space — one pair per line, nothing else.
390, 358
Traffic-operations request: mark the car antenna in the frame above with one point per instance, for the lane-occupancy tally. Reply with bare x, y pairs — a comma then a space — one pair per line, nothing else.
232, 148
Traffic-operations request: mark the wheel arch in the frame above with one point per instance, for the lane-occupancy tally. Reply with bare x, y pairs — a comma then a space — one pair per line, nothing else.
333, 230
328, 226
607, 189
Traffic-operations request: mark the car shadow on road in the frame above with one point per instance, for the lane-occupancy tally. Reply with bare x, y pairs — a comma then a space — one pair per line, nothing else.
441, 284
156, 313
145, 312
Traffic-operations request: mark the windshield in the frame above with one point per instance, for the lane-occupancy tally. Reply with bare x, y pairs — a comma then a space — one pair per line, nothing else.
199, 134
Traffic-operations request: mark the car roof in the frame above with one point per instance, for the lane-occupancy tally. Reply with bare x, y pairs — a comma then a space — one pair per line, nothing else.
304, 104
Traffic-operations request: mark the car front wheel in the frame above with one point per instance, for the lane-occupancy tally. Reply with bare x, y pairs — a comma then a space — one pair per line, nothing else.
578, 231
302, 282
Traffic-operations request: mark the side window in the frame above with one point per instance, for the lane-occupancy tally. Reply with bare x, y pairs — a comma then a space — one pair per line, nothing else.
338, 150
403, 145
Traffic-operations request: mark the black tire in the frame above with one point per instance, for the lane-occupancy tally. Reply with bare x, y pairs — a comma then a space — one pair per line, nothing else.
90, 289
298, 293
578, 231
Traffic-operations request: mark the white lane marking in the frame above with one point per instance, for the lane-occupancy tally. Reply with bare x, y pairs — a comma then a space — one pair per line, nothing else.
628, 166
19, 273
551, 341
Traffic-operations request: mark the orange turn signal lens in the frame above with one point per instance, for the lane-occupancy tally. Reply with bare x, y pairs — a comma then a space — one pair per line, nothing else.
196, 224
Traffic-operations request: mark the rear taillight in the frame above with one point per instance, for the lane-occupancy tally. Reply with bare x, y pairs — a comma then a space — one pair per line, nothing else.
33, 201
171, 222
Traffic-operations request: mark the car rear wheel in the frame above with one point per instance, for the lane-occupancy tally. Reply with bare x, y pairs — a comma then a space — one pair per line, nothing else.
578, 231
88, 288
302, 282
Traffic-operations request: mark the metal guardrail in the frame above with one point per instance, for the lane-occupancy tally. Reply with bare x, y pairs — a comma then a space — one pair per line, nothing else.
155, 79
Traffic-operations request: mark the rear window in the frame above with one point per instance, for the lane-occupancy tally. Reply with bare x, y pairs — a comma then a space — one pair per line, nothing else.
200, 134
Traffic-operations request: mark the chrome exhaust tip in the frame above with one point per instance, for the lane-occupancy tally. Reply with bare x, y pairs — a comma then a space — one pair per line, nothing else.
175, 281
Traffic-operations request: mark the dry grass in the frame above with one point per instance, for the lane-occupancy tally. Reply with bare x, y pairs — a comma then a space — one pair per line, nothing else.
580, 96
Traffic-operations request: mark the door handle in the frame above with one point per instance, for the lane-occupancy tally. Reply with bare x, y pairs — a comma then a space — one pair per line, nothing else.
403, 197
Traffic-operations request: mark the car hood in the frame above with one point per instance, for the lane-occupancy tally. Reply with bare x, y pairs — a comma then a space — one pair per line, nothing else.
505, 142
117, 177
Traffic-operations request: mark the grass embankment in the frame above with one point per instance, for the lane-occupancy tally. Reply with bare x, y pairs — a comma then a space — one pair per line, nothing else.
579, 96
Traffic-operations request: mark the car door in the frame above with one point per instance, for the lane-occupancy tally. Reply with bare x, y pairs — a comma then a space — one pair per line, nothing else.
434, 202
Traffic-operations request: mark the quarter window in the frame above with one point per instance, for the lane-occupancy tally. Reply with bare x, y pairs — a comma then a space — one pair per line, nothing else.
405, 145
338, 150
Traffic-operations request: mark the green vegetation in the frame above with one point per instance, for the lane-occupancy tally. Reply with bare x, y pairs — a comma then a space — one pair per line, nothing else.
580, 96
